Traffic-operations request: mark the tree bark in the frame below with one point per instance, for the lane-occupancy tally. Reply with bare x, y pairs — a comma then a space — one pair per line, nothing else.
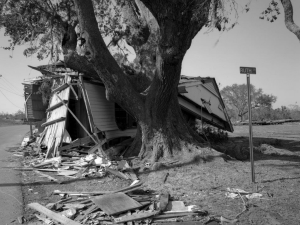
288, 17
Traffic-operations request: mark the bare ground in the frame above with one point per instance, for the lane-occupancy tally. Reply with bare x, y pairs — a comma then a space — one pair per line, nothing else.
204, 182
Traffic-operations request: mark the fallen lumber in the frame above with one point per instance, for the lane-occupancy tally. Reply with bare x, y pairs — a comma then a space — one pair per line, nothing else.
48, 177
172, 215
52, 215
177, 223
76, 143
117, 173
124, 190
135, 216
91, 209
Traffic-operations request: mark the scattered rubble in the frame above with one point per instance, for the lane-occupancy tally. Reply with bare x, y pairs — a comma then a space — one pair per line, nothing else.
131, 205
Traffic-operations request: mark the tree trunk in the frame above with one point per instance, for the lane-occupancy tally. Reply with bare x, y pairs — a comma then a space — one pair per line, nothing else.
288, 18
241, 116
164, 131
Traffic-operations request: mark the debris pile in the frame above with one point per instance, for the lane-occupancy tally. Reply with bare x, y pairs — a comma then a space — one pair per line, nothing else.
129, 205
77, 159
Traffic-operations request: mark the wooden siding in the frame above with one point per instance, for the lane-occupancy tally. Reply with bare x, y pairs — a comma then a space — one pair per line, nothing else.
197, 112
54, 133
35, 109
103, 111
198, 92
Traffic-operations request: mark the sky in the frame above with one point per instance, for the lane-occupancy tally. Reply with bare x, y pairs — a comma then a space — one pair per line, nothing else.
270, 47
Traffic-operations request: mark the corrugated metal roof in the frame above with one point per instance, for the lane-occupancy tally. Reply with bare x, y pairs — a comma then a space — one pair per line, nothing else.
103, 111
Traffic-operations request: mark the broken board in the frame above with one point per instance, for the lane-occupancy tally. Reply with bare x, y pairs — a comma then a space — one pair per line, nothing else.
116, 203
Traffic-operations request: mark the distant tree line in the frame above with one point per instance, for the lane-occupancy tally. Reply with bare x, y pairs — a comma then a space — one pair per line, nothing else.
19, 115
236, 101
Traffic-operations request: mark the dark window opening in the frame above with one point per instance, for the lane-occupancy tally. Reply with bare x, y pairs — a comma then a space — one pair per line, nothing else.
123, 119
78, 108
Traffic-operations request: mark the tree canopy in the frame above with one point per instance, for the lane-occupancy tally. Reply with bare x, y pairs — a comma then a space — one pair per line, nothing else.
159, 32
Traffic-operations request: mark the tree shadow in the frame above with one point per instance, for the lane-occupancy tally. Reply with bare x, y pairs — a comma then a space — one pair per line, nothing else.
280, 179
277, 149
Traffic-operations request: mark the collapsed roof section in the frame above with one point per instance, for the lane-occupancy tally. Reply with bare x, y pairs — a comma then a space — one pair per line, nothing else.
201, 97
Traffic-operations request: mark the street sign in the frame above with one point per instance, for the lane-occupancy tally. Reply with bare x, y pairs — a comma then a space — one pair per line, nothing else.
247, 70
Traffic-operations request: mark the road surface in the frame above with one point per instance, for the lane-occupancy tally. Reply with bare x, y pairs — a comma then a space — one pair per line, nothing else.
11, 203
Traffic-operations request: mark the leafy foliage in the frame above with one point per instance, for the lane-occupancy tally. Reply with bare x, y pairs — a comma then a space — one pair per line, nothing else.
45, 90
210, 133
271, 13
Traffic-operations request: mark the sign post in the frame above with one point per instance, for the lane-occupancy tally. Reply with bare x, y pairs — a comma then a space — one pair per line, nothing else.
248, 71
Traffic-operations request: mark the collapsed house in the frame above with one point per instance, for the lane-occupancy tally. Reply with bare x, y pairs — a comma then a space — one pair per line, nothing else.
78, 107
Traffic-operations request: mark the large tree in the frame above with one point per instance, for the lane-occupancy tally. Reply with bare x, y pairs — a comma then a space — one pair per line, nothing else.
162, 130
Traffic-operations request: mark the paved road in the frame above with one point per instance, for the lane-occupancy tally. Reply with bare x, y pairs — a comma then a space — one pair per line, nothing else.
11, 203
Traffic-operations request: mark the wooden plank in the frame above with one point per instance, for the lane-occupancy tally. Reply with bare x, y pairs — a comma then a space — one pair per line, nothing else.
60, 88
135, 216
76, 143
87, 105
59, 104
173, 215
53, 121
48, 177
88, 211
46, 73
52, 215
97, 146
78, 121
117, 173
180, 223
124, 190
116, 203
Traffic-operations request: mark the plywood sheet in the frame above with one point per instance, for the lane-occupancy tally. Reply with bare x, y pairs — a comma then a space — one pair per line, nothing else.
116, 203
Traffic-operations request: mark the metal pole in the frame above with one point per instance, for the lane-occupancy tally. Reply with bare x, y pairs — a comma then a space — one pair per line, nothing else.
250, 129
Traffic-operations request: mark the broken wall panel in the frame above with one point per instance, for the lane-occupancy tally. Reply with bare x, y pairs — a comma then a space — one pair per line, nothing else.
103, 111
34, 106
54, 133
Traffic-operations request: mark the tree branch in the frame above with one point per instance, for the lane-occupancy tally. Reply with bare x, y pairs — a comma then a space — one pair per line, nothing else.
118, 87
289, 21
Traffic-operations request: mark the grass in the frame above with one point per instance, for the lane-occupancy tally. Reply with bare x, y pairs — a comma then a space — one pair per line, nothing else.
6, 123
288, 131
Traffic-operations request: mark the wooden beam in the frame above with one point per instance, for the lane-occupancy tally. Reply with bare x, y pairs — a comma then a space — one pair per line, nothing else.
88, 133
48, 177
46, 73
60, 88
53, 121
52, 215
135, 216
59, 104
98, 146
76, 143
87, 105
